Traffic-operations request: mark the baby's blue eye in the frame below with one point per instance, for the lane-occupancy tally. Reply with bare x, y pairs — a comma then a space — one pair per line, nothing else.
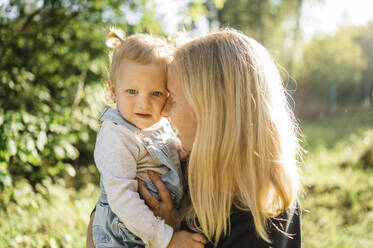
157, 93
132, 91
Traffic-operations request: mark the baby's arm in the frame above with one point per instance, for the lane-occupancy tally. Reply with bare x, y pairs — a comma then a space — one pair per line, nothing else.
115, 159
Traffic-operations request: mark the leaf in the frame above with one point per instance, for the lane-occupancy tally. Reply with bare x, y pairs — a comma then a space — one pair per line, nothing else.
70, 170
12, 147
71, 151
30, 144
60, 152
42, 140
219, 3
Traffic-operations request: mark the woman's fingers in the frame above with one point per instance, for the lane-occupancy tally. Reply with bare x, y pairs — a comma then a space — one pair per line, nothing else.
162, 208
200, 238
198, 245
150, 200
161, 187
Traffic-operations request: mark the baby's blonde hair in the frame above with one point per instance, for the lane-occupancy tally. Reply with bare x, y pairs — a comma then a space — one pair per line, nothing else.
140, 48
245, 149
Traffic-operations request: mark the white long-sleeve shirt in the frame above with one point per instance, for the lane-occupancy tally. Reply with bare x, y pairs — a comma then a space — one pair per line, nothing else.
121, 157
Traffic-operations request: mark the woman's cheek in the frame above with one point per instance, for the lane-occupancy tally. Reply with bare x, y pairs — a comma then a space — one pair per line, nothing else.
180, 121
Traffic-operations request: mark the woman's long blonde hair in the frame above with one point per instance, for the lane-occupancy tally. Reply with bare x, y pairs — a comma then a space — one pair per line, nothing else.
245, 149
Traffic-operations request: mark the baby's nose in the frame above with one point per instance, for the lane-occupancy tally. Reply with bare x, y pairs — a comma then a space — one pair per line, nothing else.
144, 102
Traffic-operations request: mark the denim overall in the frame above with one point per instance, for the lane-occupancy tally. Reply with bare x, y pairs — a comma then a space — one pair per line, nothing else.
108, 230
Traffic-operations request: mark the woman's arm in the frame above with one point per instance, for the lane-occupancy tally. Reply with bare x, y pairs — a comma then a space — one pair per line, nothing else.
165, 209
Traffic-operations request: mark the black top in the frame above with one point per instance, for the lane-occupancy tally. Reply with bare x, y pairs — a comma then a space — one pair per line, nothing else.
284, 231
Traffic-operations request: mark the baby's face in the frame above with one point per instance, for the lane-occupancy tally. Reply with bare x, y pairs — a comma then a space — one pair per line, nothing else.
140, 92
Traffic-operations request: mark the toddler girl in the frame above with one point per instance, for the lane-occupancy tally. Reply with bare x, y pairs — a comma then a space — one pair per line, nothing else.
132, 139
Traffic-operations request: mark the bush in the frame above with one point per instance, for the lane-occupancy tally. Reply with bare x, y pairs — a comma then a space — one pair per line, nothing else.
53, 66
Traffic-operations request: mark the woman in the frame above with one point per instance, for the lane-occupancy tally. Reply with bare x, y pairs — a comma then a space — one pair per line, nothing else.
230, 110
229, 106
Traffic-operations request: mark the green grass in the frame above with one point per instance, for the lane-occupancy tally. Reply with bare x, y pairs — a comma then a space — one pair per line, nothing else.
55, 216
337, 198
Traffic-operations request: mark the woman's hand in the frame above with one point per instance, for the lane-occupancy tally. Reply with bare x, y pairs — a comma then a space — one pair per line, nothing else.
183, 239
163, 208
166, 211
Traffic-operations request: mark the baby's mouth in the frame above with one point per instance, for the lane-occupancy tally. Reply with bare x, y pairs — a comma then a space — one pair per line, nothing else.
145, 116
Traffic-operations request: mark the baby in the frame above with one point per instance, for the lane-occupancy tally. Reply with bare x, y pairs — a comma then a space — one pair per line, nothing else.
132, 139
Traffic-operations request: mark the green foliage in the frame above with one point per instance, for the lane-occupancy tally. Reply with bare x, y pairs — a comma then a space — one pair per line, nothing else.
51, 215
53, 67
198, 8
365, 40
336, 64
337, 191
333, 60
269, 22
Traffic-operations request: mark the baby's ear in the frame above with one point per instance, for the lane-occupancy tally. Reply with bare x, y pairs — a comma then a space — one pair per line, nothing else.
111, 87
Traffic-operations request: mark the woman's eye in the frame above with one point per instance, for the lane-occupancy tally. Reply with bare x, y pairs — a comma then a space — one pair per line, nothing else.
132, 91
157, 93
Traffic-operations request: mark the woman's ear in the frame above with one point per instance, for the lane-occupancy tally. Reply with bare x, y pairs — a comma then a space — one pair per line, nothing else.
111, 87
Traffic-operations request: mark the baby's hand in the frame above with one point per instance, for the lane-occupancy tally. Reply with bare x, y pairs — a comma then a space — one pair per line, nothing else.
183, 239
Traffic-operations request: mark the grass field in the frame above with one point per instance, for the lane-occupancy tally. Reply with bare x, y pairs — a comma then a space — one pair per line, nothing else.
56, 216
337, 195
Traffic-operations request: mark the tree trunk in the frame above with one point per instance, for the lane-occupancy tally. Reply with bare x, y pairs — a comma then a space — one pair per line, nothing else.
333, 98
367, 94
296, 35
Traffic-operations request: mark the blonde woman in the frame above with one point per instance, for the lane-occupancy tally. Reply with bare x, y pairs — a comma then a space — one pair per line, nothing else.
229, 107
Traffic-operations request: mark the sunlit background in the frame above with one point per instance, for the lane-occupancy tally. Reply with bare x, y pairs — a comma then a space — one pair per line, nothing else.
52, 75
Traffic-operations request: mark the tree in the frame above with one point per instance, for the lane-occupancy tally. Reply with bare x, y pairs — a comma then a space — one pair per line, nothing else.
52, 69
264, 20
365, 40
331, 64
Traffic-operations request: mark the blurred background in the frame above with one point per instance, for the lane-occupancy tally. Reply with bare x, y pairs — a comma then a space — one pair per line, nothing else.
53, 68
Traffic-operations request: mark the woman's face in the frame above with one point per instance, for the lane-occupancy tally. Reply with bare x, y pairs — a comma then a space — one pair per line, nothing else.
180, 113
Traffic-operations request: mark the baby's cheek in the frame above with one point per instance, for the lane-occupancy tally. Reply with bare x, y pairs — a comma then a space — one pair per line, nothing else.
158, 106
161, 102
